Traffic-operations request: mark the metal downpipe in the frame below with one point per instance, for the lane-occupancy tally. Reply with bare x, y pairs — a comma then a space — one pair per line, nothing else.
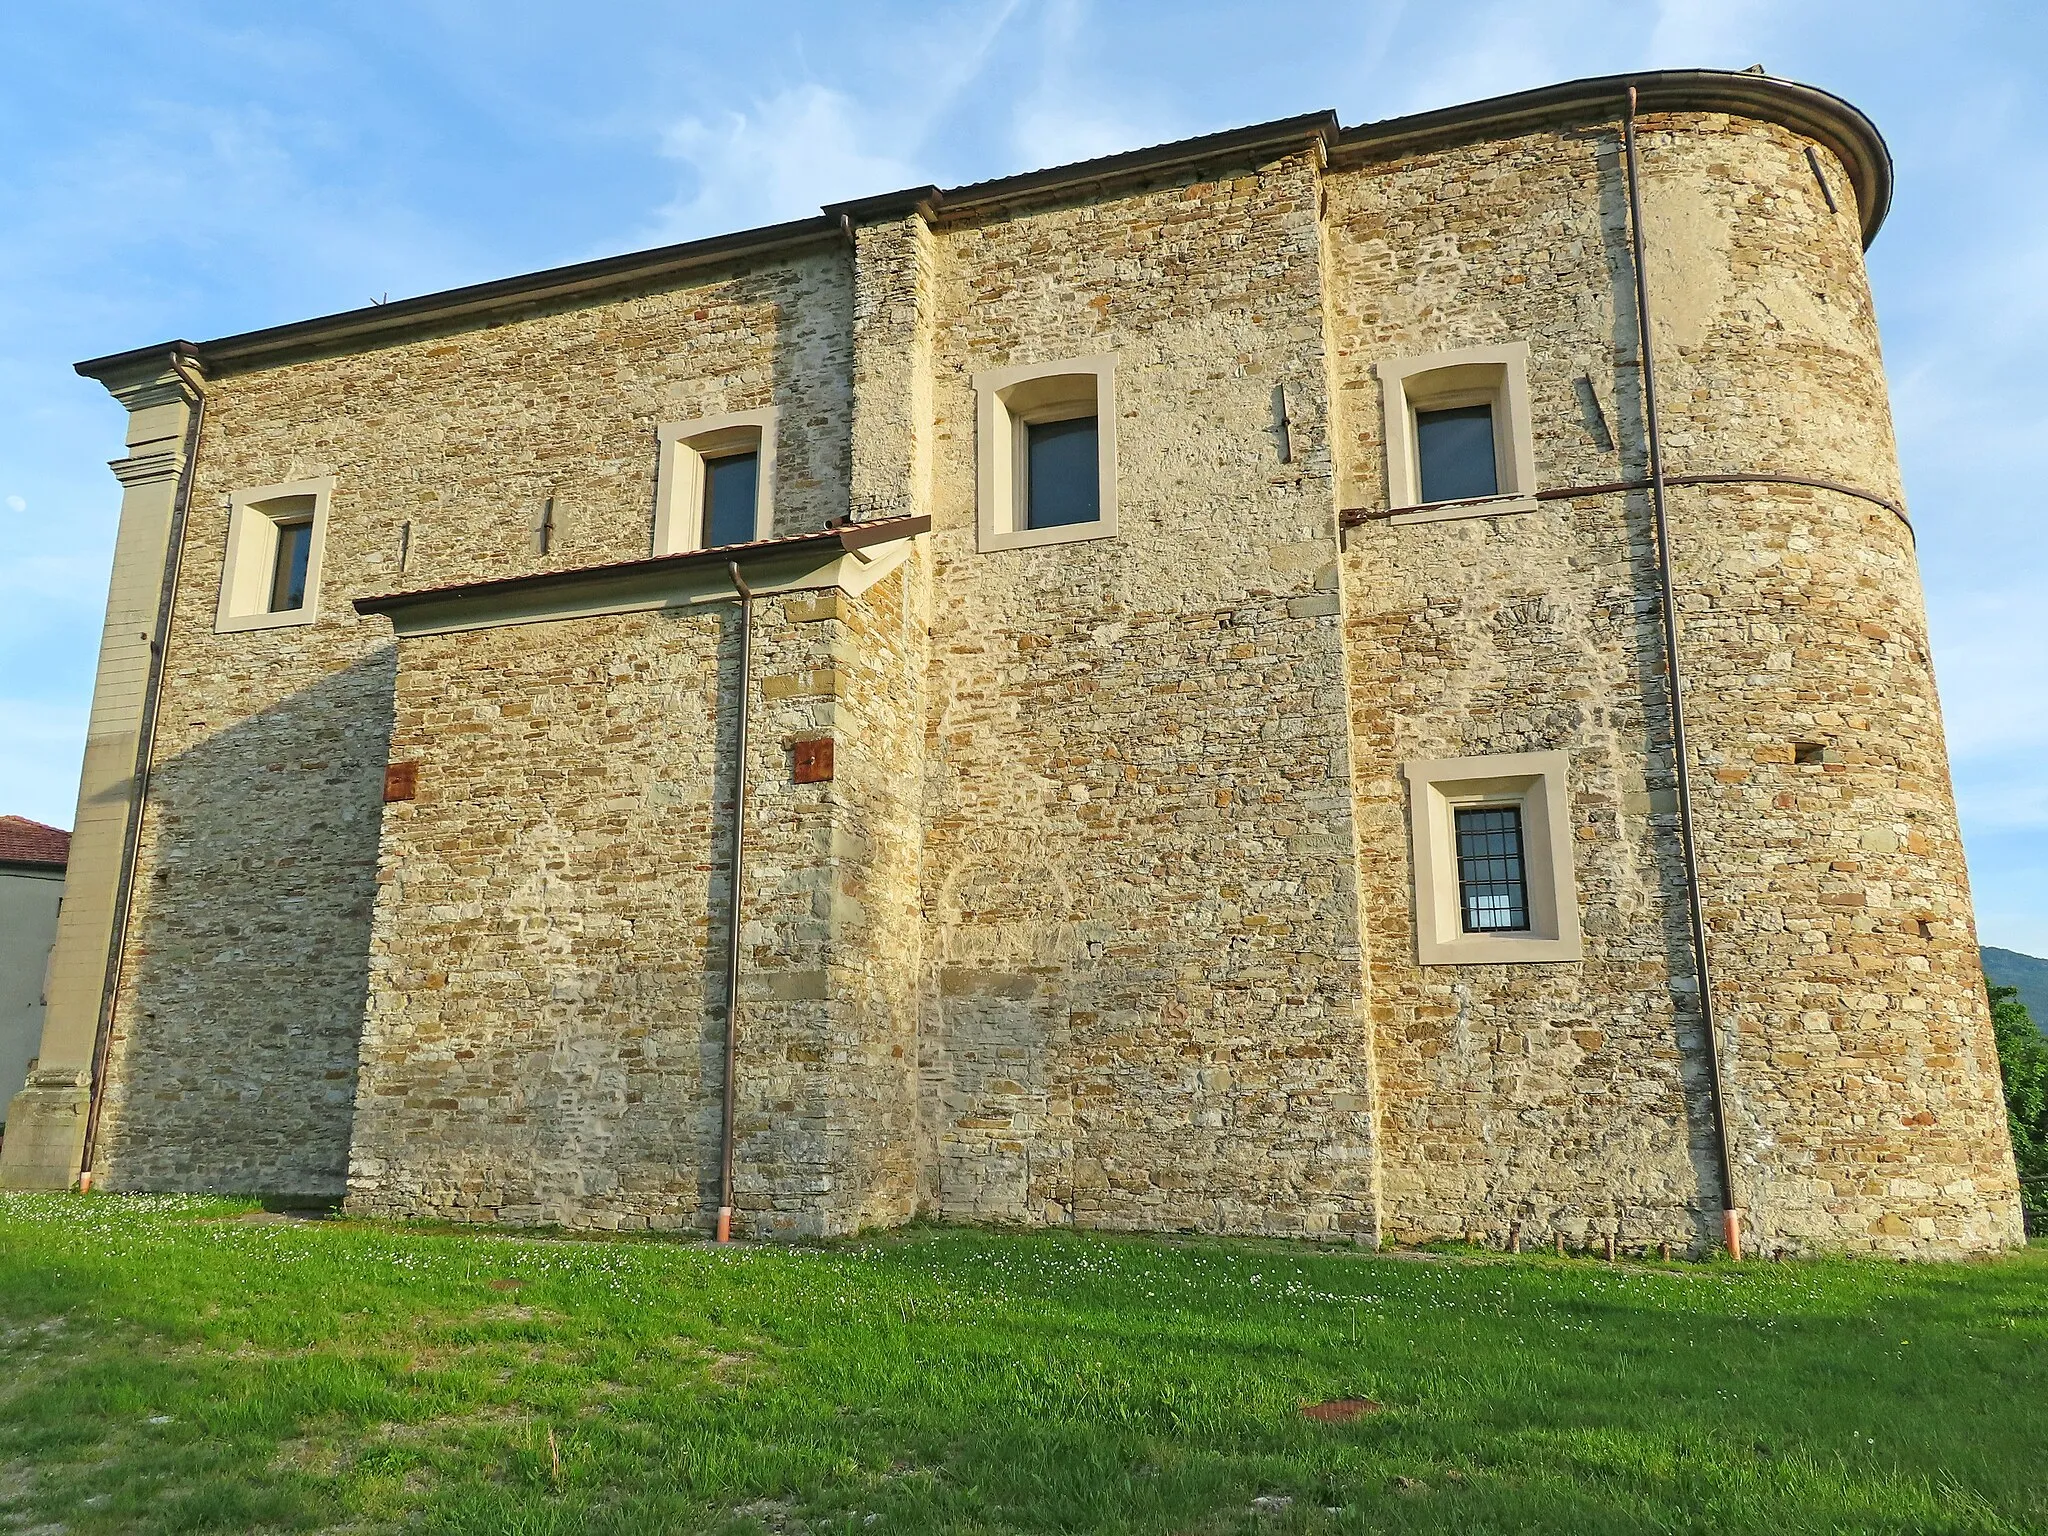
732, 927
145, 750
1731, 1211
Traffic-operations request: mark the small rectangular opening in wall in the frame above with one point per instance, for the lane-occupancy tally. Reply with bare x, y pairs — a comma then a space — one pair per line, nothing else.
1045, 453
1808, 753
1493, 842
270, 571
1458, 439
401, 781
714, 481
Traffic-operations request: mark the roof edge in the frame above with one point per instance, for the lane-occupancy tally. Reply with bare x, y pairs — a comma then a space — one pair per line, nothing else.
1802, 108
1319, 127
258, 347
1805, 109
845, 536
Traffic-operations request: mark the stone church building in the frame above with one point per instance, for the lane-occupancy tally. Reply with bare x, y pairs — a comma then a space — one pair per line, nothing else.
1152, 677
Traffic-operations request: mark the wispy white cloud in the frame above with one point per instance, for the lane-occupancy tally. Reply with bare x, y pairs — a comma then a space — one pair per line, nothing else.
1971, 425
236, 186
782, 156
1069, 110
778, 160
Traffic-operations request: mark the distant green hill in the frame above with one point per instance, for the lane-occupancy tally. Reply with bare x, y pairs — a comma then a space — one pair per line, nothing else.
2008, 968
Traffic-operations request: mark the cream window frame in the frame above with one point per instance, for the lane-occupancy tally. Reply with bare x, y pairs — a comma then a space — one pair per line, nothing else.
1536, 784
1008, 402
250, 563
1496, 376
683, 449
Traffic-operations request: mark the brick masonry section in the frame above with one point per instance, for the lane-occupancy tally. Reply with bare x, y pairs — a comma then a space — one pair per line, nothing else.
1104, 911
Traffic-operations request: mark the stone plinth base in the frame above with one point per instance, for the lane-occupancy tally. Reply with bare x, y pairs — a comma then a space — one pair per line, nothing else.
45, 1132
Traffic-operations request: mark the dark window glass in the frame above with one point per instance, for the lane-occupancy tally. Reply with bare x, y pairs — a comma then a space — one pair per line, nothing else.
1060, 478
729, 487
288, 577
1492, 890
1455, 450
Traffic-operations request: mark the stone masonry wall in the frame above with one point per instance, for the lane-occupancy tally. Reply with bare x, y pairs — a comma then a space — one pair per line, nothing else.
1143, 991
1105, 916
828, 1029
547, 1017
1572, 1098
546, 1002
1566, 1097
1864, 1087
235, 1046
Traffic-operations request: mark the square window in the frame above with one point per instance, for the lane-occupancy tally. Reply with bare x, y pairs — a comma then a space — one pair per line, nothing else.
1061, 486
731, 484
1454, 450
714, 482
1492, 842
1045, 453
1458, 438
271, 576
1493, 895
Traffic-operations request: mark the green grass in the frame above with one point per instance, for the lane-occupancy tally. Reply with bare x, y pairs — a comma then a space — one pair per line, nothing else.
165, 1366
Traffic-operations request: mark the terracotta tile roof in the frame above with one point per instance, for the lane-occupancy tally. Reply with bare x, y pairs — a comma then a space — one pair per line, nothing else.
30, 842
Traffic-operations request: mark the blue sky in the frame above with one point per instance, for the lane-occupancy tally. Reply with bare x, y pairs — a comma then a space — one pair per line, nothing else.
202, 169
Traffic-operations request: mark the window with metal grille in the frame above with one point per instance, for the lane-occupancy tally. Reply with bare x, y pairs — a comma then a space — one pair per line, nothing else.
1493, 887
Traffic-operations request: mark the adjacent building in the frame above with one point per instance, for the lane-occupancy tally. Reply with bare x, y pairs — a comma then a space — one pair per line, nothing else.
31, 890
1132, 695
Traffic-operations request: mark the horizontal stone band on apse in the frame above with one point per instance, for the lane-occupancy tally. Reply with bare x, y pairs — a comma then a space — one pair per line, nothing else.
1356, 517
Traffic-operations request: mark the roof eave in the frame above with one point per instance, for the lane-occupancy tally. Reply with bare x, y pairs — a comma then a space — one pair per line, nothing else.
845, 536
1805, 109
253, 348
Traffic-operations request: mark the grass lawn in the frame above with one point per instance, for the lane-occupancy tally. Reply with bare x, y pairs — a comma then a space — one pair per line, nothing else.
175, 1364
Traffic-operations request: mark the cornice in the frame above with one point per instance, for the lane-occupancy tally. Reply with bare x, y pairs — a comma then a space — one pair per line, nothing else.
1804, 109
378, 324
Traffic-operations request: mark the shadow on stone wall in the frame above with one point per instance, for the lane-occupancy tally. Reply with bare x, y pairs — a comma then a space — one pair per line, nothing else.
233, 1062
